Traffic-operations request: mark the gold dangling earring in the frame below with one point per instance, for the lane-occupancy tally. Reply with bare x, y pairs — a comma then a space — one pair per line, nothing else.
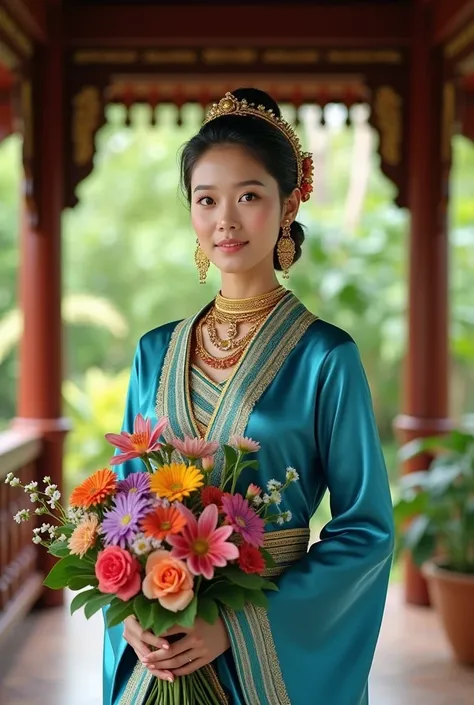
286, 249
202, 262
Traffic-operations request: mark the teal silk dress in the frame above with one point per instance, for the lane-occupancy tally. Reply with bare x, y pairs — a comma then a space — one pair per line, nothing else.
301, 391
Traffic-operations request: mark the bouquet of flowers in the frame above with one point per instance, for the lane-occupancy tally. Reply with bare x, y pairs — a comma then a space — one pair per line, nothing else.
164, 545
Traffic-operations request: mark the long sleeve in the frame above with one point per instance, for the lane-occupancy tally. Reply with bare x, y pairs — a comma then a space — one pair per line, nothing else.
317, 641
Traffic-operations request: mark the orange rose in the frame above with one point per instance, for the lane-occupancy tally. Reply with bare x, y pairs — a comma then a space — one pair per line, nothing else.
168, 580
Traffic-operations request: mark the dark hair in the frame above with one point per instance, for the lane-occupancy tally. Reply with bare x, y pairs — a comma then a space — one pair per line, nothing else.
264, 142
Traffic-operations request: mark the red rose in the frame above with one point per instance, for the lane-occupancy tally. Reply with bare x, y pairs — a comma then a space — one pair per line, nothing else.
250, 559
118, 573
212, 495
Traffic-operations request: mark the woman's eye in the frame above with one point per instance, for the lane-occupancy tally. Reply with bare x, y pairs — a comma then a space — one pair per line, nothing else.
247, 197
206, 201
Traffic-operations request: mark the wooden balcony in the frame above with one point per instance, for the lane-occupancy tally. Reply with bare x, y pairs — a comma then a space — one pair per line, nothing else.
20, 581
55, 659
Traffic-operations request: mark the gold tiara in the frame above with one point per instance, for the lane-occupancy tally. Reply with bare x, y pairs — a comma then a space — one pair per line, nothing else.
230, 105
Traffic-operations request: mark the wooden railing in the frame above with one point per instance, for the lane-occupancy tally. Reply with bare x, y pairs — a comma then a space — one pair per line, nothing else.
20, 580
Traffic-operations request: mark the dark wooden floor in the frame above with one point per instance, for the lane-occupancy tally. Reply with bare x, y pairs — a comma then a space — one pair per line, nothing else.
53, 659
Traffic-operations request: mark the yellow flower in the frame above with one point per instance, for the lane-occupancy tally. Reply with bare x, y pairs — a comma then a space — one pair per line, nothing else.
84, 536
176, 481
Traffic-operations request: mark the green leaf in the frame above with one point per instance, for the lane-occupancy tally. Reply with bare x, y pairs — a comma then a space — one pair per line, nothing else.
162, 619
66, 529
96, 603
231, 455
257, 598
59, 549
268, 585
78, 582
230, 595
269, 560
60, 574
118, 611
144, 611
249, 464
237, 576
186, 617
207, 610
81, 599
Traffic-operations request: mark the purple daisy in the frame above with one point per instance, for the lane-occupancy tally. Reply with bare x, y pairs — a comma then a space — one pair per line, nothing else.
243, 519
121, 523
137, 483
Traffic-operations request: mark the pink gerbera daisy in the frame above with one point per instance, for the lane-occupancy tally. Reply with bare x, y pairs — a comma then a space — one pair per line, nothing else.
194, 448
142, 441
201, 544
243, 519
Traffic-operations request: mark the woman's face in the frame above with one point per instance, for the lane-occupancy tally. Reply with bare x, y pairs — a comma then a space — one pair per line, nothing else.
236, 209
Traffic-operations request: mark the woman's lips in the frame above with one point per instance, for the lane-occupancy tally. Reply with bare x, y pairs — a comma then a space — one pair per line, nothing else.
231, 245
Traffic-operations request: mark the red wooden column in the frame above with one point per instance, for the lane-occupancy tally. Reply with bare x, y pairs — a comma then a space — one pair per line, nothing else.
39, 393
425, 399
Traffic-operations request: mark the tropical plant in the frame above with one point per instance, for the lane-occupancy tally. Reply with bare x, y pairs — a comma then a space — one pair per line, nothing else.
434, 514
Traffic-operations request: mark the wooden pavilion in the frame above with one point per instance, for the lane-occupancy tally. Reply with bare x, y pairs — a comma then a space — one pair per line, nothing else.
63, 61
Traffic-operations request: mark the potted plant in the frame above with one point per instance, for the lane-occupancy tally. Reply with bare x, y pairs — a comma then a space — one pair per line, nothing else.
434, 518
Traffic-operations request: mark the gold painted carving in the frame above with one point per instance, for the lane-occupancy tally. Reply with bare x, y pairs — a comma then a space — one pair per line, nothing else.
105, 56
14, 33
85, 122
460, 42
170, 56
7, 57
449, 116
358, 56
229, 56
388, 113
290, 56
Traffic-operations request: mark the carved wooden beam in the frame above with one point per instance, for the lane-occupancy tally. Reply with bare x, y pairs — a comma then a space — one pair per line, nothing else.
31, 15
367, 25
450, 16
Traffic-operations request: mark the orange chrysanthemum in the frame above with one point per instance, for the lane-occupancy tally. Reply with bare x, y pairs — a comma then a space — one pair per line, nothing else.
95, 489
84, 535
176, 481
161, 522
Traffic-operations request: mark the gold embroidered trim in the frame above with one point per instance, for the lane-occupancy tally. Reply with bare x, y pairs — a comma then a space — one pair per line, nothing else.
129, 696
211, 676
286, 547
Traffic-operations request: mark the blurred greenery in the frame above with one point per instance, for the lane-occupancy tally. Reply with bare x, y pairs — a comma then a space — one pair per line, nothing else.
128, 247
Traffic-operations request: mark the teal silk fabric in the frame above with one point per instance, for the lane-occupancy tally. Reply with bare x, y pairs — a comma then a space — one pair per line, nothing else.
314, 414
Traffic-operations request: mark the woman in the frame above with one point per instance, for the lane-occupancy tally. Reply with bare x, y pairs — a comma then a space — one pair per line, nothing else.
256, 362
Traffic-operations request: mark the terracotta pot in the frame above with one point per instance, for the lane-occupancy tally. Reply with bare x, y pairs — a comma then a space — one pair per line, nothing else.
452, 595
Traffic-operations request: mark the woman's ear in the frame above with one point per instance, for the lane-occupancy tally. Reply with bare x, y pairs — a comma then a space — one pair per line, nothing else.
291, 206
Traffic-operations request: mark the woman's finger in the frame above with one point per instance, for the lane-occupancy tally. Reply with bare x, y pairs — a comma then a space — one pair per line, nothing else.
176, 662
190, 667
157, 641
174, 649
164, 675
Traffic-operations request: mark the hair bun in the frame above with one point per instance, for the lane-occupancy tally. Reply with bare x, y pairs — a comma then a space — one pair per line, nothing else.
258, 97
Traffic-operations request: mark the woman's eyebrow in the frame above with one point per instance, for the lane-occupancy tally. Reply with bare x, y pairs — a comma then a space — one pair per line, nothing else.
250, 182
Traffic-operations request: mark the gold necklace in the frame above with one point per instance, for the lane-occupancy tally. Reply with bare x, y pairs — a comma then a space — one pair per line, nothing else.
252, 305
233, 312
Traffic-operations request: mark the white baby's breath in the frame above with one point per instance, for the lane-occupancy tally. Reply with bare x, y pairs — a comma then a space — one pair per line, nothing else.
273, 485
37, 538
46, 480
280, 520
22, 515
31, 487
287, 516
56, 495
292, 475
275, 497
14, 482
34, 497
257, 501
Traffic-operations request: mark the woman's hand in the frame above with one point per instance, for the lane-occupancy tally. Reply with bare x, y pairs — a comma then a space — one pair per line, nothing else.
200, 645
140, 640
